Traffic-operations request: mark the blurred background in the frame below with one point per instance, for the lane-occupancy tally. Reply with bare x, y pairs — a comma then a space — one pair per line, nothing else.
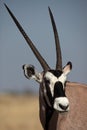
18, 108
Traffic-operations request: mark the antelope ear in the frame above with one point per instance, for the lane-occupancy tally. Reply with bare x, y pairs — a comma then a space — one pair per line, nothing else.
67, 68
31, 73
29, 70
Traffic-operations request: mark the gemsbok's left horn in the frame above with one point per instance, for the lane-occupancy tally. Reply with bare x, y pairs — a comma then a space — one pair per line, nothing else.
34, 49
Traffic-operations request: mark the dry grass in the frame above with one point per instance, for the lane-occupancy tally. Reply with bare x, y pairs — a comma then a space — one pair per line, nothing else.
19, 112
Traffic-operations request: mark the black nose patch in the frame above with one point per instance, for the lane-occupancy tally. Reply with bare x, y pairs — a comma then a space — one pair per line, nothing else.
58, 90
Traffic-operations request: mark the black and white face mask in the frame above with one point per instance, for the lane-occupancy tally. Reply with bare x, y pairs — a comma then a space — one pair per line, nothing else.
55, 87
54, 82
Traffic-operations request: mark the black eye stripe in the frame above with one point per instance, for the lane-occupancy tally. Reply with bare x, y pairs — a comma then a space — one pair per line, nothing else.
47, 81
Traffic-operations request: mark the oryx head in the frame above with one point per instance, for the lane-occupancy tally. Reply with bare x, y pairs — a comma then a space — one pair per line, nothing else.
52, 80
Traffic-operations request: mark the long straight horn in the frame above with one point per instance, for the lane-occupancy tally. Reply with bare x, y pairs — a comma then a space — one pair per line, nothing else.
34, 49
57, 43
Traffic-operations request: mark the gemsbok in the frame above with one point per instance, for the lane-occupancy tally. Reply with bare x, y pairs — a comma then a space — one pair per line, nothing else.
56, 110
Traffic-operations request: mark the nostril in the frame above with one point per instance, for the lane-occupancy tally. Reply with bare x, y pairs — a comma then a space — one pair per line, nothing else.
63, 107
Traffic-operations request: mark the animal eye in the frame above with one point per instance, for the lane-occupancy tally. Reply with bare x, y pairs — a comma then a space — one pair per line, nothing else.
47, 81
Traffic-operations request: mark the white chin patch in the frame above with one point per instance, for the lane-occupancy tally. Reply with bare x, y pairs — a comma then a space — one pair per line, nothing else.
61, 104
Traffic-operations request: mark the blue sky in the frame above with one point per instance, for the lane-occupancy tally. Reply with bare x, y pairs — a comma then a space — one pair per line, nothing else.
71, 21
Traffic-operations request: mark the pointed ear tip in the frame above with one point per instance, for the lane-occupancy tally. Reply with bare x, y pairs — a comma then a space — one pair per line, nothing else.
23, 66
70, 63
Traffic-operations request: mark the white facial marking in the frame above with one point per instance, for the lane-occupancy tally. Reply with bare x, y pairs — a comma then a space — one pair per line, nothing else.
63, 101
62, 79
53, 79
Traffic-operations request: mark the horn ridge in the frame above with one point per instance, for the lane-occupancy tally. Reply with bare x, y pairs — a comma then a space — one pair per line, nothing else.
57, 43
28, 40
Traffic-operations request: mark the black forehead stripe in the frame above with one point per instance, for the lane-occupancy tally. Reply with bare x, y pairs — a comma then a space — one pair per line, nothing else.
48, 91
56, 73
